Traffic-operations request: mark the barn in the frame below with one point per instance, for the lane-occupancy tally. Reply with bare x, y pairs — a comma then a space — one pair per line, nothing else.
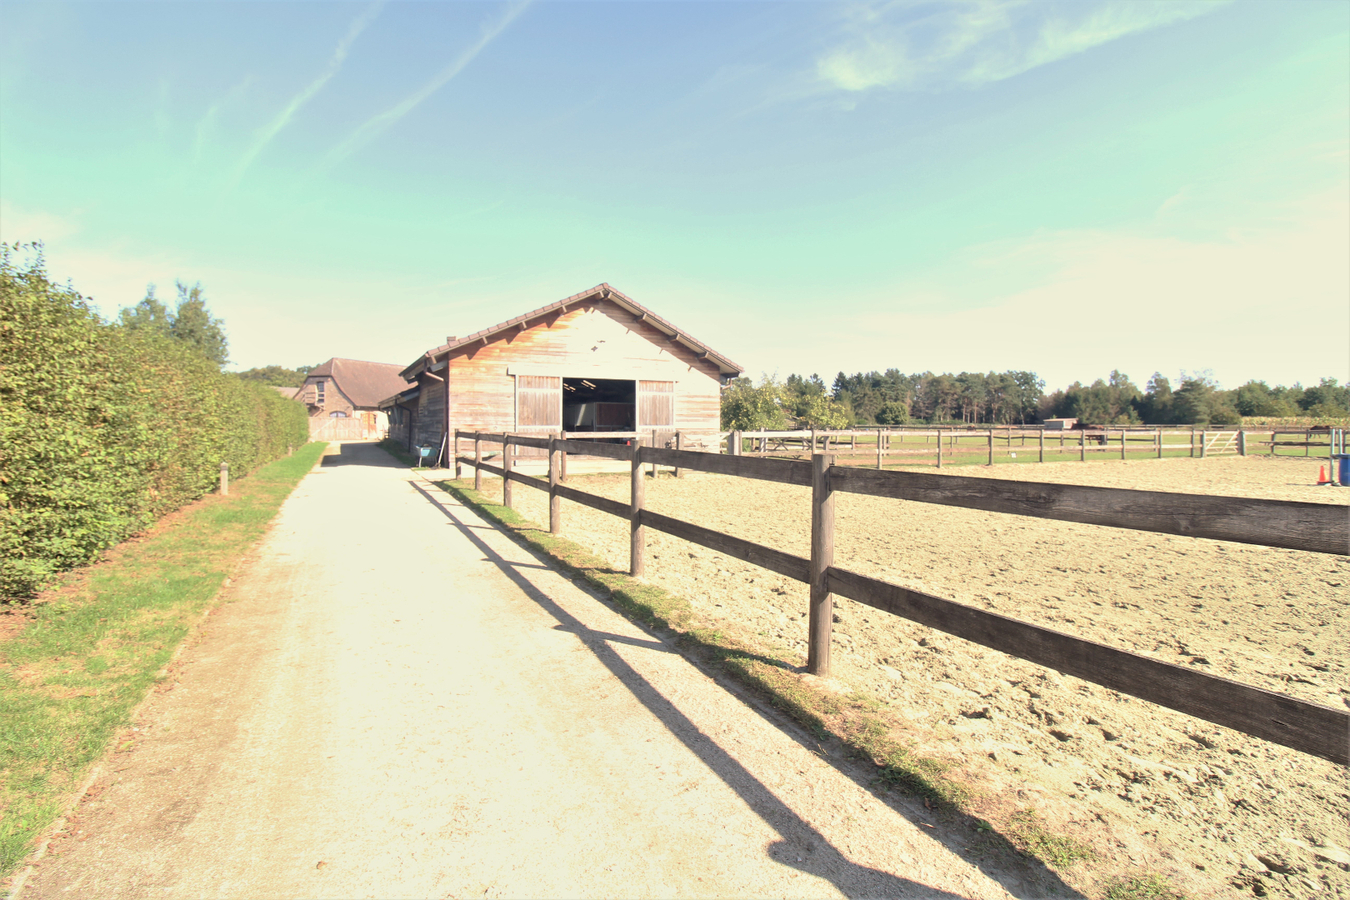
597, 361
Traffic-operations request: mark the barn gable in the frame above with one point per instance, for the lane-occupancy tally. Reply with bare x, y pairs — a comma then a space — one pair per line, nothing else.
595, 361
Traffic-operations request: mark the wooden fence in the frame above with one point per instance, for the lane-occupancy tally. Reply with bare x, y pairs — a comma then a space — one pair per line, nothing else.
1313, 527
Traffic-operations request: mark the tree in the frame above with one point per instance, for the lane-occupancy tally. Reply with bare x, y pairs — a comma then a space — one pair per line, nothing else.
191, 322
747, 406
278, 376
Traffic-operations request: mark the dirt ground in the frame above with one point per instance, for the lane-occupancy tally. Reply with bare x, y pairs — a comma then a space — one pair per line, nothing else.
1219, 812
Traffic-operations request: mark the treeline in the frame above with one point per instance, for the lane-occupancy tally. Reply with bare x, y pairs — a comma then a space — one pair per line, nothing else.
104, 427
1013, 397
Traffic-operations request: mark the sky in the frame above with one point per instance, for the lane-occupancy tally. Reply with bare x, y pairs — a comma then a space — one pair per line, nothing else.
1063, 187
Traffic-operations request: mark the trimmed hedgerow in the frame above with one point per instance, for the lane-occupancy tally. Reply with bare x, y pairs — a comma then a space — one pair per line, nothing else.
103, 429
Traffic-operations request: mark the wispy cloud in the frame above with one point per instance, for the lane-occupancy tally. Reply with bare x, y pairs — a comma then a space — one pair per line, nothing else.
377, 125
207, 123
909, 47
265, 136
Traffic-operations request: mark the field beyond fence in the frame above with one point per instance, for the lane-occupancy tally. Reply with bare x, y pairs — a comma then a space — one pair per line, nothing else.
1312, 527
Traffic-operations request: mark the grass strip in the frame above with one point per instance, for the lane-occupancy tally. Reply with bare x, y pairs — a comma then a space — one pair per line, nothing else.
854, 720
95, 645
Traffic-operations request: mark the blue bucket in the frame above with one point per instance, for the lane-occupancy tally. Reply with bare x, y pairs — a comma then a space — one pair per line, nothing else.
1344, 474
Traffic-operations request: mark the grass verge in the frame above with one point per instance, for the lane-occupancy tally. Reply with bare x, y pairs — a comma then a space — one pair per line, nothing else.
95, 645
856, 721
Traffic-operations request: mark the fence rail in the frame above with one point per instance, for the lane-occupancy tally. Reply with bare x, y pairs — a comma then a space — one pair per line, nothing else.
1321, 528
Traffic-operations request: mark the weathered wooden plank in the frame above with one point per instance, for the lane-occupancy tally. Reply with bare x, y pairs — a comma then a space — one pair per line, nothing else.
1307, 727
1316, 527
485, 467
529, 481
522, 441
783, 471
604, 504
595, 448
794, 567
821, 607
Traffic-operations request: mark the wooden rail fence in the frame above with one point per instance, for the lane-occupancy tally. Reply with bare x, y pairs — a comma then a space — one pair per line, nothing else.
1312, 527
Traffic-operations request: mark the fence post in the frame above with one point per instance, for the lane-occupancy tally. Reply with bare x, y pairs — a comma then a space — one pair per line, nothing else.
477, 462
1307, 443
821, 624
878, 448
1204, 439
554, 501
1082, 446
1242, 442
224, 479
939, 446
1160, 442
1192, 442
508, 457
1122, 443
991, 446
459, 467
637, 498
735, 441
562, 458
679, 445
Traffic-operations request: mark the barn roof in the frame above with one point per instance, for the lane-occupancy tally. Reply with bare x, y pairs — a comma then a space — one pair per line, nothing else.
364, 383
601, 291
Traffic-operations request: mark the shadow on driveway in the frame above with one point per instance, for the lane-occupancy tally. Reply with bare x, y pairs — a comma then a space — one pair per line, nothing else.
801, 846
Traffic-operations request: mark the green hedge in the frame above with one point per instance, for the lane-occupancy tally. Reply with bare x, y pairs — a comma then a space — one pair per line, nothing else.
103, 430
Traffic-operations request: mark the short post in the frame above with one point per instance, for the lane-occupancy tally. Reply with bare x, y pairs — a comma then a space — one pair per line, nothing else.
459, 466
554, 501
1192, 442
813, 441
477, 462
1082, 446
736, 445
1272, 442
1041, 448
821, 624
562, 458
1204, 439
878, 448
224, 479
637, 498
1242, 442
653, 444
508, 460
679, 445
991, 446
939, 448
1122, 443
1307, 443
1160, 443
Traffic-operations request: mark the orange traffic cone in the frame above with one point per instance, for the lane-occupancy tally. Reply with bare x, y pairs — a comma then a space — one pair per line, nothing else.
1322, 475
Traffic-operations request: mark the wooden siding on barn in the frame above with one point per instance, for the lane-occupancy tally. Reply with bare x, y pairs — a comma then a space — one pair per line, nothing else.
513, 382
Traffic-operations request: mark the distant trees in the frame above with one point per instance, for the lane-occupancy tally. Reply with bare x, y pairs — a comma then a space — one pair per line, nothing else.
190, 321
1014, 397
277, 376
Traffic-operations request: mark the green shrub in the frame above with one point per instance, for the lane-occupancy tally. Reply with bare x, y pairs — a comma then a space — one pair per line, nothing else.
104, 429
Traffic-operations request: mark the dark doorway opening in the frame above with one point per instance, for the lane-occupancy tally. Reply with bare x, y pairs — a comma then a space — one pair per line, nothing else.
599, 404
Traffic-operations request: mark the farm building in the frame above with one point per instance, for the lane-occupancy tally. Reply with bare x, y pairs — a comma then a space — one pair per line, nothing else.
343, 397
595, 361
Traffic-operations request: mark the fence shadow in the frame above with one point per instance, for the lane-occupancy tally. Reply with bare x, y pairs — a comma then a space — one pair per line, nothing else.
801, 846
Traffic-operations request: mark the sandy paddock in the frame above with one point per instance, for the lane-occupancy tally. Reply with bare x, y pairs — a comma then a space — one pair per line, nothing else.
1209, 802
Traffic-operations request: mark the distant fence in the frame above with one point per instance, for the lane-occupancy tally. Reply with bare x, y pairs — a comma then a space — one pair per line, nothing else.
1312, 527
910, 445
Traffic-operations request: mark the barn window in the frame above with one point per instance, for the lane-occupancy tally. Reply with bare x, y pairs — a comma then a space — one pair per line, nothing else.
337, 414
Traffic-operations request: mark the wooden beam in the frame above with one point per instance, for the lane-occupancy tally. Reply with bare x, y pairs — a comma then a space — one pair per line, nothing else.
1294, 525
604, 504
782, 471
821, 624
794, 567
636, 538
1307, 727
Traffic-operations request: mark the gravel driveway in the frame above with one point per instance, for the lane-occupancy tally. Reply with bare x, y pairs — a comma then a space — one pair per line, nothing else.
396, 700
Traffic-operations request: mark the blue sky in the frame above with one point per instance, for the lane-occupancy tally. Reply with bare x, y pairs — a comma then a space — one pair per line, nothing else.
1062, 187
